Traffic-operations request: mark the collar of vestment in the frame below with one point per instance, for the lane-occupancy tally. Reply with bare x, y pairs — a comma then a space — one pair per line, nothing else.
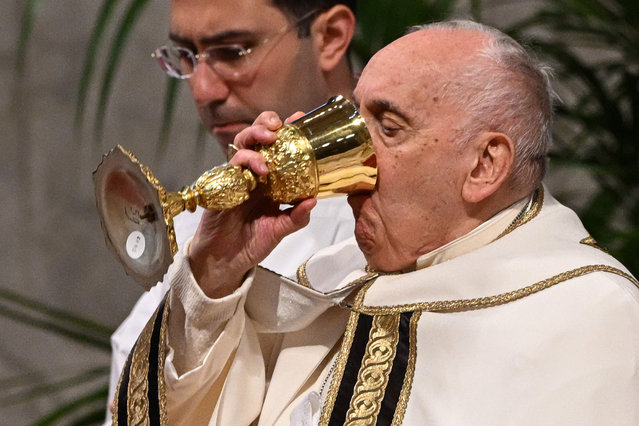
341, 265
523, 249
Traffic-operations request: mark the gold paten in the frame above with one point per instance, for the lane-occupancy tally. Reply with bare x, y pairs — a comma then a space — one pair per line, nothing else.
323, 153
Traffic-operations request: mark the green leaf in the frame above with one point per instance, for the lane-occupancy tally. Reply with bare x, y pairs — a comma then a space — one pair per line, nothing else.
33, 306
113, 59
61, 329
96, 398
93, 47
170, 96
17, 390
26, 27
380, 23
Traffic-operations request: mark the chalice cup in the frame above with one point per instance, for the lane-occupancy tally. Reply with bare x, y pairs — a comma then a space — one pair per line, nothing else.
324, 153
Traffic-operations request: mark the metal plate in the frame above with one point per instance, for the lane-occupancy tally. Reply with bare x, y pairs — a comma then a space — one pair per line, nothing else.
129, 203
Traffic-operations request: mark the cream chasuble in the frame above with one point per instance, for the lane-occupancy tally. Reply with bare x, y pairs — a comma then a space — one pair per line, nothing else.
522, 321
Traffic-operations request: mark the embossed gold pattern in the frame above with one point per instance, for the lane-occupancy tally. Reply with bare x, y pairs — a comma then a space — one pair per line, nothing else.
374, 371
138, 404
163, 195
292, 170
340, 366
138, 384
161, 358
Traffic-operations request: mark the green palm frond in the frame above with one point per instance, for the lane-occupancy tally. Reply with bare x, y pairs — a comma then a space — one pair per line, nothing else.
29, 14
17, 389
105, 15
594, 46
170, 97
88, 409
383, 22
114, 56
32, 312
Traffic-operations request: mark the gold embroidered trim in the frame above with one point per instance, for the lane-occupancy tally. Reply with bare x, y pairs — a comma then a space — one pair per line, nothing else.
374, 371
490, 301
137, 391
161, 357
302, 279
527, 214
137, 402
590, 241
342, 356
398, 418
340, 366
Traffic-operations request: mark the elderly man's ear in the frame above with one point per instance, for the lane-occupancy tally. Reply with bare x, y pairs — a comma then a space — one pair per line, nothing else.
493, 159
332, 32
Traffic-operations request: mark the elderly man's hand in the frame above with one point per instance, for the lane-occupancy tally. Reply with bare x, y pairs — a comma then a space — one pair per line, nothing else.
229, 243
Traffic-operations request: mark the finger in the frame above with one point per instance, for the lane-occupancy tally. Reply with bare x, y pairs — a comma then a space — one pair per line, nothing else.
300, 214
269, 119
294, 117
292, 219
257, 134
251, 159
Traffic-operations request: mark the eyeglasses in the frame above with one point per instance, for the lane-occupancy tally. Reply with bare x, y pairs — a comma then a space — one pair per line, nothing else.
232, 62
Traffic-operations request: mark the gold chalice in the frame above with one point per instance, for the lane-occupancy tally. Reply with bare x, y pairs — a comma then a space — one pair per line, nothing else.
324, 153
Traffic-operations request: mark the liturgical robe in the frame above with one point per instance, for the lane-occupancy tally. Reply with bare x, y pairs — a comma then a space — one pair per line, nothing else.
524, 320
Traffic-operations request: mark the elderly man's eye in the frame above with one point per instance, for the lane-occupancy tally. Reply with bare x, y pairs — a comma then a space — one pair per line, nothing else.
389, 127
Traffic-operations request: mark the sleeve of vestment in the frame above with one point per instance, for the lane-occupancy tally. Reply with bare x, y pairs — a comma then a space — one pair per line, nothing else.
206, 338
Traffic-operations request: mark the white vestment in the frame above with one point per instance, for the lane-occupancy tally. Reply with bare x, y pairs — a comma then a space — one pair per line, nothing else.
331, 222
525, 324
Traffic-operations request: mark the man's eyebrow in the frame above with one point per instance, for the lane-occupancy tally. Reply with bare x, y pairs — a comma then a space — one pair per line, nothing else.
218, 38
384, 105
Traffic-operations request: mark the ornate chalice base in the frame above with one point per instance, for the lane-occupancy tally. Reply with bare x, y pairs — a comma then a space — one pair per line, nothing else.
130, 204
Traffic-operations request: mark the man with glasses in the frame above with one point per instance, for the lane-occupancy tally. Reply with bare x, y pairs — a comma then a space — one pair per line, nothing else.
239, 58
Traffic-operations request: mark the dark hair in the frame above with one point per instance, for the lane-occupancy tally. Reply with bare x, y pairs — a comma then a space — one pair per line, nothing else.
298, 8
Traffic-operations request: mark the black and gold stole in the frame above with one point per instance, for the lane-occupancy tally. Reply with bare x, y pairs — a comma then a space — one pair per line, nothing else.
374, 369
140, 398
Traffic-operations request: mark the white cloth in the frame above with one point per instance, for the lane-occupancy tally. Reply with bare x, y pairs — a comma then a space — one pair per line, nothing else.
331, 222
565, 355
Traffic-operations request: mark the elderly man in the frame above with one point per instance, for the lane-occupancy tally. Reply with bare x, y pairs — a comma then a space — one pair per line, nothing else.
468, 296
240, 58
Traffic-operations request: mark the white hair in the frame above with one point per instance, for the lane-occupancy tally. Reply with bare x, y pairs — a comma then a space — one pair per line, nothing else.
508, 91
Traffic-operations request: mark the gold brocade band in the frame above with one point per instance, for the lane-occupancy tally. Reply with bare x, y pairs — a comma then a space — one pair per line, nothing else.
140, 398
374, 371
489, 301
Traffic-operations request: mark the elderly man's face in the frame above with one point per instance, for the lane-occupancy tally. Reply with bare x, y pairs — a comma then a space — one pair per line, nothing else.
417, 205
284, 73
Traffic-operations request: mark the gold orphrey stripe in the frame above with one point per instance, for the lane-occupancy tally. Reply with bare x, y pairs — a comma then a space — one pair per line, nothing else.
500, 299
